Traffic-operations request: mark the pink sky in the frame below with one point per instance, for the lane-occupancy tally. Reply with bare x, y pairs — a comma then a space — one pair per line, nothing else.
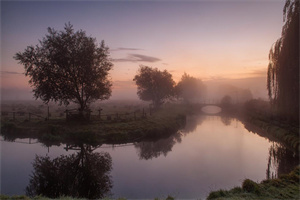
206, 39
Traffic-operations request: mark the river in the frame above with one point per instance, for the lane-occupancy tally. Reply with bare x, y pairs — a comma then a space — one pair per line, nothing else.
210, 153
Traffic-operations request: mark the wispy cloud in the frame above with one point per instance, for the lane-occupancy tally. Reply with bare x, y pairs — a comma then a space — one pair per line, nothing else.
259, 72
137, 58
9, 72
126, 49
124, 84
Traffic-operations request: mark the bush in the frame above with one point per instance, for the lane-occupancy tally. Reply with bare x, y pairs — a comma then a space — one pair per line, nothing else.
250, 186
236, 190
170, 198
217, 194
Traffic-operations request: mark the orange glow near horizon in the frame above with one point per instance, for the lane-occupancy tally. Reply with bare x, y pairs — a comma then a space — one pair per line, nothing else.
207, 40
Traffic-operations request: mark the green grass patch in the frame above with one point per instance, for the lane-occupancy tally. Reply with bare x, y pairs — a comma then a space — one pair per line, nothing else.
284, 187
161, 123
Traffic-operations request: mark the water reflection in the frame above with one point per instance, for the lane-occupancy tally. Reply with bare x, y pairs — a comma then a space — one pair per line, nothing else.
211, 109
85, 174
192, 122
185, 171
153, 149
281, 161
226, 120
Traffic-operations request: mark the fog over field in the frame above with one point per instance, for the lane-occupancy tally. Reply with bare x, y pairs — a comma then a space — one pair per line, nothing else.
126, 90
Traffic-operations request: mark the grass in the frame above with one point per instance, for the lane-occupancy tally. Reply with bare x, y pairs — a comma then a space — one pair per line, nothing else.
284, 187
276, 127
16, 197
23, 197
163, 122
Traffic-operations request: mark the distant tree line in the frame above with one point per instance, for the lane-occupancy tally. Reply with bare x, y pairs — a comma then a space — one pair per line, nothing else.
69, 66
283, 68
158, 86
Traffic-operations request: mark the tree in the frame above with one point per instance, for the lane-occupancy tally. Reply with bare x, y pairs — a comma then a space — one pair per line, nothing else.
283, 68
226, 101
68, 66
154, 85
245, 95
190, 88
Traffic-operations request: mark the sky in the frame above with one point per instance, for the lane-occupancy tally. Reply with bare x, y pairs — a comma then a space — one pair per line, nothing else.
211, 40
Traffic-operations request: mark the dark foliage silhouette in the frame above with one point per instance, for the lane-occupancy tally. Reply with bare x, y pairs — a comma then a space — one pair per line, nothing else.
192, 122
154, 85
281, 161
226, 120
153, 149
68, 66
226, 101
81, 175
283, 69
190, 89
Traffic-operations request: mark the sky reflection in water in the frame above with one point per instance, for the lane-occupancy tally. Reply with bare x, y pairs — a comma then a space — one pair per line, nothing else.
210, 153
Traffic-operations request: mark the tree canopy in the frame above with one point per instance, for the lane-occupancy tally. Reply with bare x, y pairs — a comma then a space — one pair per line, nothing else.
190, 88
283, 69
226, 101
68, 66
154, 85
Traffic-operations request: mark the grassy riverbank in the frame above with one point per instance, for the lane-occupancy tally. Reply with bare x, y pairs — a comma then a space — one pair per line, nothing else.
284, 187
161, 123
23, 197
259, 118
275, 127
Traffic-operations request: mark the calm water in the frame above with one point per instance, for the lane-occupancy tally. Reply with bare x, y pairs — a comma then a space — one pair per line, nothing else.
209, 154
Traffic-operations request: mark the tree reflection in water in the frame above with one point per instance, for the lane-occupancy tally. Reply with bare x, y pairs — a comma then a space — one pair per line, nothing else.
226, 120
84, 174
153, 149
192, 122
281, 161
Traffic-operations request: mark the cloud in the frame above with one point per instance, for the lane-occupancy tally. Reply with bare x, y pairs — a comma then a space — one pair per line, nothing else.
126, 49
123, 84
259, 72
10, 72
137, 58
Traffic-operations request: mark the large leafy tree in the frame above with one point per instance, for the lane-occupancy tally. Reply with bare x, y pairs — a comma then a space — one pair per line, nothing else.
190, 88
154, 85
283, 69
68, 66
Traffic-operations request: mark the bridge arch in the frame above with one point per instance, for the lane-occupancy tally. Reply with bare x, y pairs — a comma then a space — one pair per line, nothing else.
211, 109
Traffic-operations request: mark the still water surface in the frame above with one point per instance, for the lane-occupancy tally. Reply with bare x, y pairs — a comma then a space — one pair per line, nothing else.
209, 154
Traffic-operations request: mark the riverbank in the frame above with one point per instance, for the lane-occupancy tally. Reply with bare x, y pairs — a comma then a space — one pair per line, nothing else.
274, 126
161, 123
258, 118
23, 197
284, 187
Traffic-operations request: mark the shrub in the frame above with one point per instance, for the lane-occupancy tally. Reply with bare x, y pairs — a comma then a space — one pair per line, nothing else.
250, 186
217, 194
